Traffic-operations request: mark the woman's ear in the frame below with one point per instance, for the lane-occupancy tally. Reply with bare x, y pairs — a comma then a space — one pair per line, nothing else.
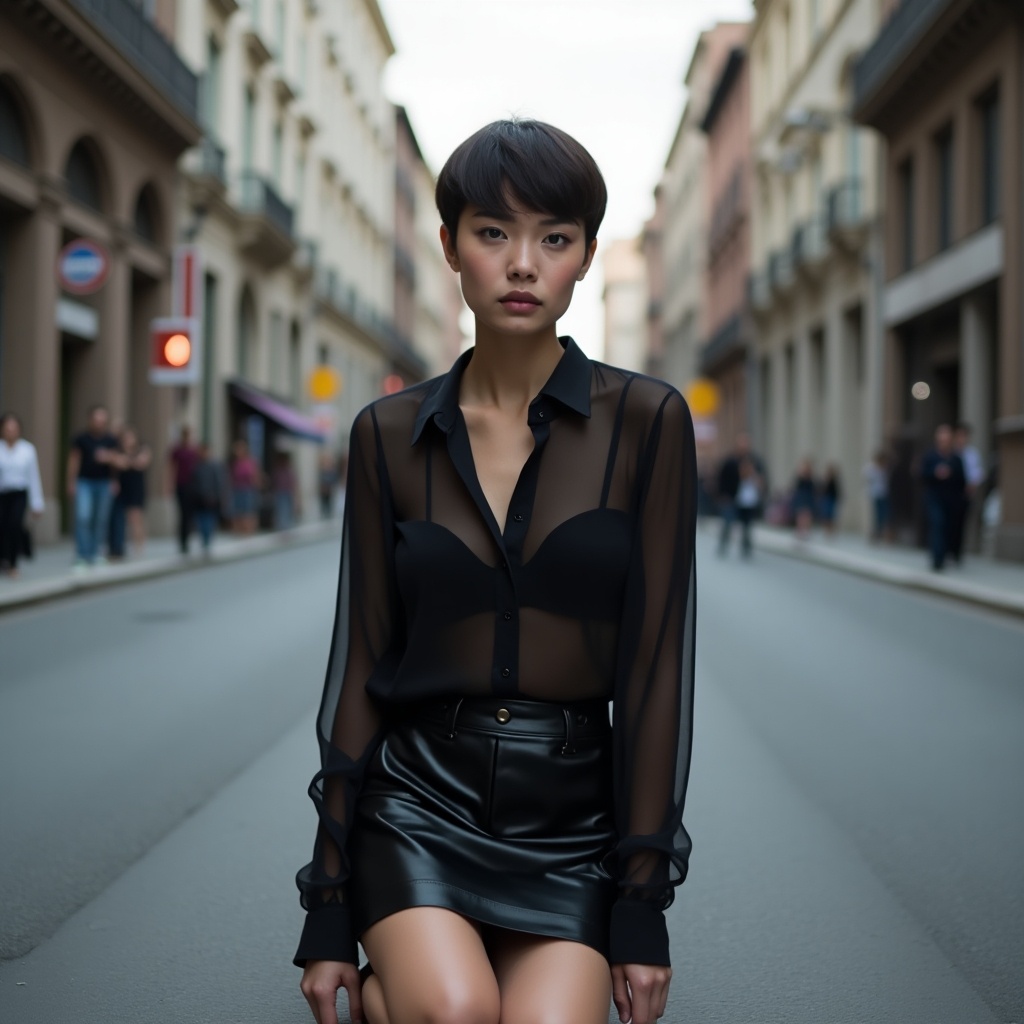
591, 249
448, 245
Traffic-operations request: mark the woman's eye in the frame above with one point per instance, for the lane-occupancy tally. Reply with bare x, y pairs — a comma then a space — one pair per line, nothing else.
557, 239
494, 233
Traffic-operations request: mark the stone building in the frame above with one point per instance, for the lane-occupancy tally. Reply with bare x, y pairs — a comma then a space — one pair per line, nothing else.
944, 83
95, 108
625, 304
815, 258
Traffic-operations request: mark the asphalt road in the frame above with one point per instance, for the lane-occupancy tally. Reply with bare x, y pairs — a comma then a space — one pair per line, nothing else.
856, 801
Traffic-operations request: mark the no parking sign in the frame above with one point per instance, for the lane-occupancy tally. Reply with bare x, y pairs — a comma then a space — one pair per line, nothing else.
82, 266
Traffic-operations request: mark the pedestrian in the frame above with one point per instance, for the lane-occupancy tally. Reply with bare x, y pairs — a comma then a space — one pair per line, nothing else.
21, 491
90, 485
965, 512
283, 485
246, 481
327, 484
128, 512
831, 496
876, 480
211, 495
183, 458
942, 472
518, 552
728, 488
805, 499
748, 501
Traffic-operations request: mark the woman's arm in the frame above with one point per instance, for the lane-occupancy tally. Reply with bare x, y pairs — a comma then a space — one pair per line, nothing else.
654, 691
36, 499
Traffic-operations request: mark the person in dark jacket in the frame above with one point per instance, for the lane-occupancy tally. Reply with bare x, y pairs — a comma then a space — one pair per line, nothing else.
805, 498
942, 473
210, 486
729, 479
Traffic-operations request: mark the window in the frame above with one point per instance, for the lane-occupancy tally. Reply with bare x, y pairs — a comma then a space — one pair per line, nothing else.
248, 129
13, 137
278, 154
988, 115
279, 28
82, 177
145, 215
944, 187
210, 95
907, 199
816, 25
209, 342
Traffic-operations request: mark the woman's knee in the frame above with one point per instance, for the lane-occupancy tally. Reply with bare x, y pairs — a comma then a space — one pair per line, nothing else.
449, 1002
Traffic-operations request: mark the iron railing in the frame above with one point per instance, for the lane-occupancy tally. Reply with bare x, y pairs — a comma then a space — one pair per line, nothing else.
845, 205
723, 343
259, 196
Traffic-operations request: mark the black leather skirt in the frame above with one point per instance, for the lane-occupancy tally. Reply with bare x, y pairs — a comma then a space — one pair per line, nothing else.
500, 810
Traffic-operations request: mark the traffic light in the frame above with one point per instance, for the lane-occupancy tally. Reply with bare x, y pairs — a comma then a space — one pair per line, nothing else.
174, 351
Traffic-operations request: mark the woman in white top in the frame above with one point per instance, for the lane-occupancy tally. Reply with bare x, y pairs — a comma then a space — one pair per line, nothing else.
20, 487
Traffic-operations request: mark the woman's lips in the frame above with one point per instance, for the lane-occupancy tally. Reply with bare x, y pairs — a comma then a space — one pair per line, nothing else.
519, 302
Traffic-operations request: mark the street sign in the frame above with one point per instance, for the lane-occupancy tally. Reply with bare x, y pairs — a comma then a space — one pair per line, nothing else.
702, 395
82, 266
174, 350
187, 282
324, 383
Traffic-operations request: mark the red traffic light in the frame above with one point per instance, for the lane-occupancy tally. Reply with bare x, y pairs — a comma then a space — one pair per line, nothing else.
173, 358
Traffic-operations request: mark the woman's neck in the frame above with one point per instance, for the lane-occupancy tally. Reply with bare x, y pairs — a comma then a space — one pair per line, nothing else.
508, 372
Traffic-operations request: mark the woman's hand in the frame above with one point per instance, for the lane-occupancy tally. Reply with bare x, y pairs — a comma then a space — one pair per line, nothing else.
320, 983
640, 992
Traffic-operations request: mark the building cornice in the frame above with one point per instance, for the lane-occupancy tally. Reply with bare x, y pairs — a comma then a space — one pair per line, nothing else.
381, 25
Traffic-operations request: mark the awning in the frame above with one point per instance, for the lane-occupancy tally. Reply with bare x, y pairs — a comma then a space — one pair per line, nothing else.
281, 413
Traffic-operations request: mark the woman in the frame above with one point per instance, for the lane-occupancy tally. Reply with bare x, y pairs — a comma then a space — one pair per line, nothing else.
805, 499
518, 551
831, 496
245, 486
20, 488
128, 512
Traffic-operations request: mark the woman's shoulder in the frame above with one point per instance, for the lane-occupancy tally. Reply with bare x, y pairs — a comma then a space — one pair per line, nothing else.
391, 414
642, 395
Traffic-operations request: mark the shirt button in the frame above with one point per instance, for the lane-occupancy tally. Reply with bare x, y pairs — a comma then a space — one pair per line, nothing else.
503, 715
540, 415
518, 518
505, 673
507, 616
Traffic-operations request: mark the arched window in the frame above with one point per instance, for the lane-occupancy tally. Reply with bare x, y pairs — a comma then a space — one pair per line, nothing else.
83, 176
146, 215
13, 136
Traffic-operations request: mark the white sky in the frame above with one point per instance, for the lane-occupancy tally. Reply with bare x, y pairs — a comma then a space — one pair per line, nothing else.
609, 72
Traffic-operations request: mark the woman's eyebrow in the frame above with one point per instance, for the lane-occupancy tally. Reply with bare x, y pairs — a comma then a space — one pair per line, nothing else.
547, 222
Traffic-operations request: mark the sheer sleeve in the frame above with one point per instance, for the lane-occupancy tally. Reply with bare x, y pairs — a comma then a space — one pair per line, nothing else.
348, 726
653, 706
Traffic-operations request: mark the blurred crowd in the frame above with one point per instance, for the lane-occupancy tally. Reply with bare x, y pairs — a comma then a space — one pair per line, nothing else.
107, 484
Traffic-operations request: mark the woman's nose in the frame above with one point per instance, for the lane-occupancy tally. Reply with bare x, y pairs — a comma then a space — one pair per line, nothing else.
521, 261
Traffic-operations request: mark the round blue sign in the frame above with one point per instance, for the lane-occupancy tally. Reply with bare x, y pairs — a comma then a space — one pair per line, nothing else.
82, 266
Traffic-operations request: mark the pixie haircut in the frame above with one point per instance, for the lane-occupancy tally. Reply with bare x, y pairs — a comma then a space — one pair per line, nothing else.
526, 164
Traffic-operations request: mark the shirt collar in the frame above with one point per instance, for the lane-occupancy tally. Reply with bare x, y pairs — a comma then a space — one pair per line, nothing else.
569, 384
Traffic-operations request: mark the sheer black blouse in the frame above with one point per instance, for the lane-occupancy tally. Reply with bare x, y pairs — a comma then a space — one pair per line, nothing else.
588, 592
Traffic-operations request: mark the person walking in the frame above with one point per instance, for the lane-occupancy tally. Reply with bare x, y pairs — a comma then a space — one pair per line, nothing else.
327, 484
183, 458
876, 480
749, 496
283, 485
128, 511
518, 552
245, 489
805, 499
21, 490
211, 495
963, 517
90, 484
942, 472
729, 479
831, 496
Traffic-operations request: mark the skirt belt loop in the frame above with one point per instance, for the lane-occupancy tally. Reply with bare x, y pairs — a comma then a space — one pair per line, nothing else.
569, 746
453, 714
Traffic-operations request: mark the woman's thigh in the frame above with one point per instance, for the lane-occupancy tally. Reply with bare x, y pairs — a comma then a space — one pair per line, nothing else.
433, 968
550, 981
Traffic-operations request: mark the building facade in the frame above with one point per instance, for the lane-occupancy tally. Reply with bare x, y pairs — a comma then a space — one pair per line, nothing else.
95, 108
815, 245
725, 348
290, 200
625, 304
944, 83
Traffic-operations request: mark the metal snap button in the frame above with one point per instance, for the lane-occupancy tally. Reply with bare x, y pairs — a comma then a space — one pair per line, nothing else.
503, 715
505, 673
582, 719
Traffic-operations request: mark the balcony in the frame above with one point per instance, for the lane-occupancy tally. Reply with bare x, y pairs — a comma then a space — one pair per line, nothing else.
124, 24
267, 221
207, 165
810, 247
727, 342
848, 224
305, 260
257, 48
781, 271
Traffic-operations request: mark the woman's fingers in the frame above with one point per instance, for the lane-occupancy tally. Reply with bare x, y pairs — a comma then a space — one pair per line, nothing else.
620, 993
353, 984
320, 983
648, 991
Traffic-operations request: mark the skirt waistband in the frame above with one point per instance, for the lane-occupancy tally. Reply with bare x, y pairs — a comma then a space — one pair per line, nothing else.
499, 716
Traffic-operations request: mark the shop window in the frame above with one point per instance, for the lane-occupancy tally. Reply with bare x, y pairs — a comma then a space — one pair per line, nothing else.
83, 177
944, 187
13, 136
146, 215
988, 117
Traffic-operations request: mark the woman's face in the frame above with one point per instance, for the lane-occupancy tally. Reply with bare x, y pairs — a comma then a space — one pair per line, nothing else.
11, 430
518, 275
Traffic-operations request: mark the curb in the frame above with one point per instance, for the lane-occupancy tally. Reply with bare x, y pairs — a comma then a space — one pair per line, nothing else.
132, 572
991, 598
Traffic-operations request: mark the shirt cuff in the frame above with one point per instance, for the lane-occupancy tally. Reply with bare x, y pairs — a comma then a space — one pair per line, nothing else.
327, 935
639, 934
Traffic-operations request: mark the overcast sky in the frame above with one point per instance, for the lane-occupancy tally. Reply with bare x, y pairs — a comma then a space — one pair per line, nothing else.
609, 72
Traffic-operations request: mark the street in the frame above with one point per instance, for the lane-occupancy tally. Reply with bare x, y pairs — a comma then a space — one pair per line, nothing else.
855, 803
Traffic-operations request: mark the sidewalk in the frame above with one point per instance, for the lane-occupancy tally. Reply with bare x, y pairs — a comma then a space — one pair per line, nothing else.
980, 580
49, 574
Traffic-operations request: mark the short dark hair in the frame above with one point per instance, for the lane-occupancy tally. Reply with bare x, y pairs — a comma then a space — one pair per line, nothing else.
522, 163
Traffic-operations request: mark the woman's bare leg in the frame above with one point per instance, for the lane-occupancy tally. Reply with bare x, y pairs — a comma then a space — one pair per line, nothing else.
431, 968
543, 979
